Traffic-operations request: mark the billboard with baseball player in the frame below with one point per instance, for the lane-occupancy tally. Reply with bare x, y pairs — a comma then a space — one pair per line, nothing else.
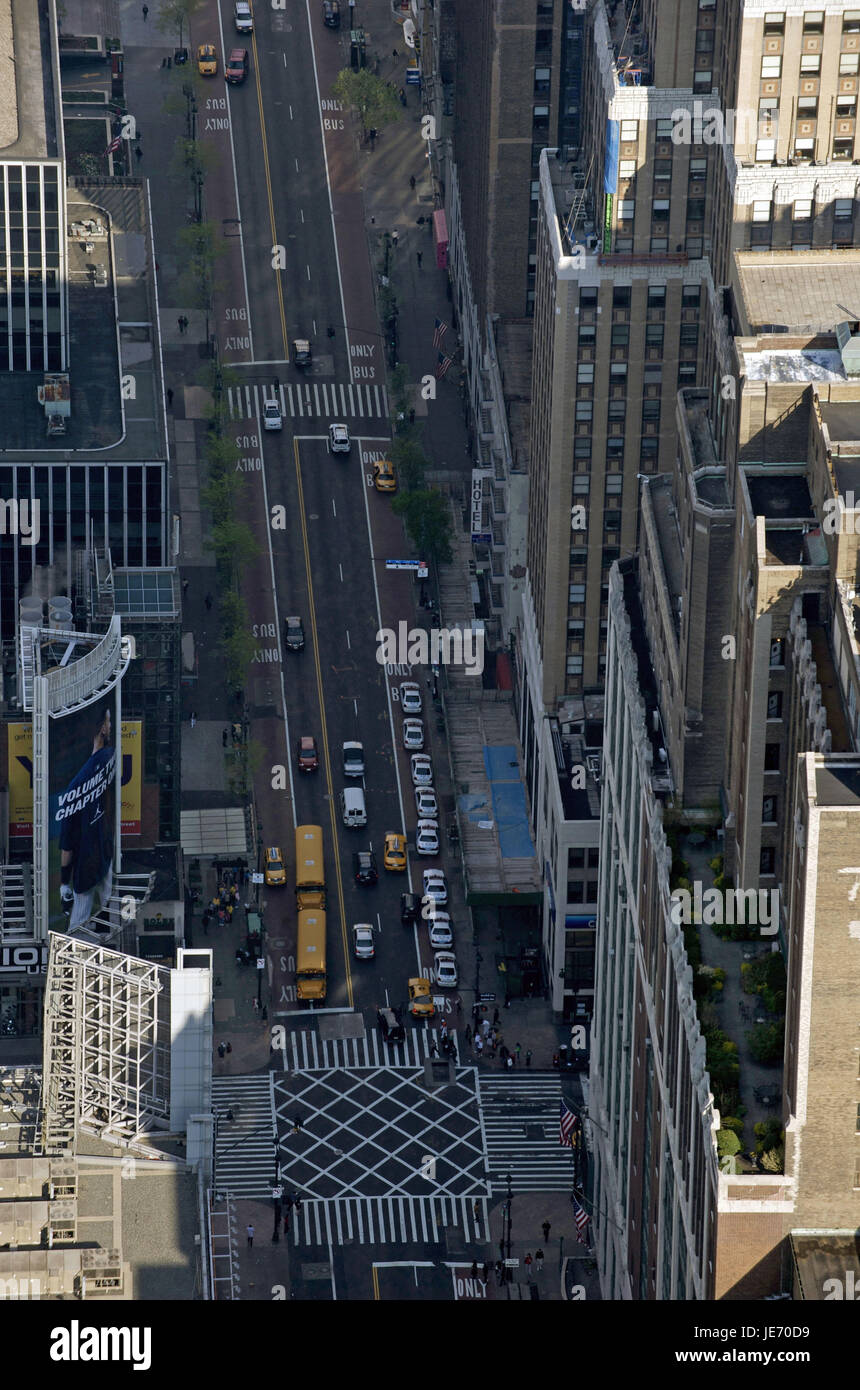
83, 770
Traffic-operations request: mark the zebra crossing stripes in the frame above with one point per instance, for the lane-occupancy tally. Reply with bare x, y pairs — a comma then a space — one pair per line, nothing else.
306, 1051
520, 1124
388, 1220
245, 1145
313, 399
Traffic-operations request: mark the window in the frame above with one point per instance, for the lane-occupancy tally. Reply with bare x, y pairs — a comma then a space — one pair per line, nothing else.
848, 63
765, 150
695, 209
626, 208
761, 211
702, 80
771, 66
587, 334
807, 107
576, 593
660, 209
810, 64
813, 22
627, 168
654, 334
774, 704
774, 23
574, 668
851, 22
593, 858
767, 860
659, 244
581, 484
650, 410
687, 376
620, 334
690, 297
582, 448
623, 245
615, 446
621, 297
804, 148
591, 884
575, 628
846, 107
588, 297
662, 168
617, 372
768, 810
843, 209
698, 168
629, 130
665, 126
575, 859
771, 757
540, 118
656, 296
585, 372
777, 651
614, 484
802, 209
612, 521
542, 76
583, 410
617, 410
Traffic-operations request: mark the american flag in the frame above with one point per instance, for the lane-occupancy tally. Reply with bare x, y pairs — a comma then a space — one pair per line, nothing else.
439, 332
580, 1218
567, 1123
114, 145
442, 365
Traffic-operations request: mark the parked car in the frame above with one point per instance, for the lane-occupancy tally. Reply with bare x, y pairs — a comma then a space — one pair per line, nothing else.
207, 60
394, 853
435, 886
362, 941
242, 18
307, 754
410, 908
410, 697
272, 416
441, 934
413, 733
364, 866
236, 67
422, 769
425, 802
427, 837
338, 439
384, 476
420, 999
331, 13
390, 1027
294, 634
445, 969
274, 872
353, 760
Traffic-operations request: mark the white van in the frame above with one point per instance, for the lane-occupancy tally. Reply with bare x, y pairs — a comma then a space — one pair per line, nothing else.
352, 808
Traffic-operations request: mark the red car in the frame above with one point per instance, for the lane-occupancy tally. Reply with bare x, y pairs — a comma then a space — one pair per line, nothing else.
236, 69
308, 758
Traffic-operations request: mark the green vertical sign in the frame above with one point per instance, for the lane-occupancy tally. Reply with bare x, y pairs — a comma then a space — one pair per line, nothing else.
607, 225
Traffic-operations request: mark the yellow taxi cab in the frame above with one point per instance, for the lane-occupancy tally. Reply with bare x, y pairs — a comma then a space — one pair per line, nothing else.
420, 999
207, 60
275, 874
384, 476
394, 853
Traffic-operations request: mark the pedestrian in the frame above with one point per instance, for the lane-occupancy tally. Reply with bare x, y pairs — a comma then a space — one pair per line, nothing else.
394, 237
503, 1053
179, 323
249, 1232
412, 183
220, 1049
419, 256
528, 1264
229, 911
169, 399
479, 1046
518, 1050
467, 1034
145, 12
372, 137
529, 1057
485, 1027
476, 1209
208, 602
434, 1051
228, 1048
486, 1272
412, 422
185, 584
193, 720
298, 1124
394, 52
546, 1228
538, 1260
256, 1005
402, 95
138, 151
444, 1029
474, 1270
510, 1062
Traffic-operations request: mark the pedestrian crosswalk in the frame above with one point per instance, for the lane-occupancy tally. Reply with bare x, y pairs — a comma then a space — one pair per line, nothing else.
389, 1220
244, 1146
306, 1051
520, 1122
304, 400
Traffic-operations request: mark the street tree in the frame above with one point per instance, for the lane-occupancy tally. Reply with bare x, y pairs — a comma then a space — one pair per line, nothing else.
174, 17
428, 523
373, 101
410, 461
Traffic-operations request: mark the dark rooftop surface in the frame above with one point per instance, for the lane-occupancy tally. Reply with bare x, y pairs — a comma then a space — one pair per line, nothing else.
838, 785
780, 497
842, 419
29, 104
661, 775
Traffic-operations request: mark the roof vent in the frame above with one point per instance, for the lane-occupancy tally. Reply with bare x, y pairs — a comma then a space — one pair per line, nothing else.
848, 338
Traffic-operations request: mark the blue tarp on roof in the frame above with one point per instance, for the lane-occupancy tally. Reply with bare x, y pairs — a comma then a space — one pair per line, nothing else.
509, 801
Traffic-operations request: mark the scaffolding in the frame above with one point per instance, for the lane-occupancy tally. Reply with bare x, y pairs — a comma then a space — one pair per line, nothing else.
106, 1050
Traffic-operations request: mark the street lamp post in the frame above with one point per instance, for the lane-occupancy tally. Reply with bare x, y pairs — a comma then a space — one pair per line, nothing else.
509, 1209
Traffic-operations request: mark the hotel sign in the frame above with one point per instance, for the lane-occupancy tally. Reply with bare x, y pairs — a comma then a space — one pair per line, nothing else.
31, 959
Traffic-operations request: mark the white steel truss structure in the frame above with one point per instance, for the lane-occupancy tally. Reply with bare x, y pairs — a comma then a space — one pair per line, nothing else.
106, 1050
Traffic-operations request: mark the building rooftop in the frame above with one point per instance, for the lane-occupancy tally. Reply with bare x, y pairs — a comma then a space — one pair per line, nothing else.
793, 364
669, 539
30, 108
842, 419
796, 291
822, 1257
661, 777
780, 496
580, 803
837, 785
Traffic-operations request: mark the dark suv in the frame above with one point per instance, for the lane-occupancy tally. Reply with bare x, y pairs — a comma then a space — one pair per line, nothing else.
410, 908
294, 634
390, 1027
331, 14
364, 866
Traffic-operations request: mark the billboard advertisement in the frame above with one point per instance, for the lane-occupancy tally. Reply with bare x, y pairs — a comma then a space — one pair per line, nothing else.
82, 763
20, 770
132, 775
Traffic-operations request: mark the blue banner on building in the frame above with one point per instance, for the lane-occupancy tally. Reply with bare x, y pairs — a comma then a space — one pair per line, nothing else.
610, 163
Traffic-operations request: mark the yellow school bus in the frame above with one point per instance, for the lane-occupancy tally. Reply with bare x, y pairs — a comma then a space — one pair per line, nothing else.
310, 954
310, 872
